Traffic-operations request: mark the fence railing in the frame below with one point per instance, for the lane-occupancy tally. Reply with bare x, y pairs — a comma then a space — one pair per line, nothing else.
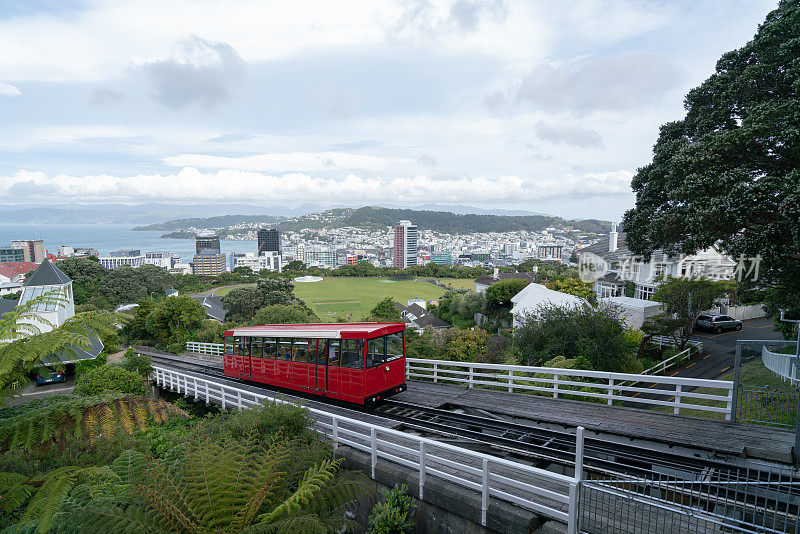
595, 386
585, 385
783, 365
670, 362
551, 494
746, 501
667, 341
215, 349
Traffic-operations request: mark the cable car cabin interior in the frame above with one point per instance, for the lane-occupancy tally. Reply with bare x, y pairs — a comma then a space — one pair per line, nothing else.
354, 362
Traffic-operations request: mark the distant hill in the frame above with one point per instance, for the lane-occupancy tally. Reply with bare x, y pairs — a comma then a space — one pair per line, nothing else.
222, 221
376, 217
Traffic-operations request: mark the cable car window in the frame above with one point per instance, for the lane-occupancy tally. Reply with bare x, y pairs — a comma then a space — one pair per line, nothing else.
376, 349
353, 353
285, 349
228, 344
394, 346
270, 348
257, 347
237, 346
300, 351
333, 352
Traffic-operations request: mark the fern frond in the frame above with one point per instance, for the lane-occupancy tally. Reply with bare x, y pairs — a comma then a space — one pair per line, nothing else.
313, 481
14, 492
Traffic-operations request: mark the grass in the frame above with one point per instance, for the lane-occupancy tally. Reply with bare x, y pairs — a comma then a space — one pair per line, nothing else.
351, 298
458, 283
751, 374
221, 292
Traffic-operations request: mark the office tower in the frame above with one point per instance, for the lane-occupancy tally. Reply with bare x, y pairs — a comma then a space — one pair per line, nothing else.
405, 244
269, 240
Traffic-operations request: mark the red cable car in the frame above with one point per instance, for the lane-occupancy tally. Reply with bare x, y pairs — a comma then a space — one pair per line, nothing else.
354, 362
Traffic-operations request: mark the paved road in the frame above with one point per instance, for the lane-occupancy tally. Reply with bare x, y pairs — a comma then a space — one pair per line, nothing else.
32, 391
719, 349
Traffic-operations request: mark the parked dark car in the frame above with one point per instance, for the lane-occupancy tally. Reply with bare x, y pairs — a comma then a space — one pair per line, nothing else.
49, 377
718, 323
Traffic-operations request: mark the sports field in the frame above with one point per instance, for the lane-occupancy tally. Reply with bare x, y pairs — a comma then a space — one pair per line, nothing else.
352, 298
458, 283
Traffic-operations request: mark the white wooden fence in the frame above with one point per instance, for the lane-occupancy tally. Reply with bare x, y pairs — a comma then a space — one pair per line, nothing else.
587, 385
783, 365
670, 362
667, 341
551, 494
215, 349
603, 386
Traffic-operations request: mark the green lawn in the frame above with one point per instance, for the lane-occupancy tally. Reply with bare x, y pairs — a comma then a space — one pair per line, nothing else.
221, 292
352, 298
458, 283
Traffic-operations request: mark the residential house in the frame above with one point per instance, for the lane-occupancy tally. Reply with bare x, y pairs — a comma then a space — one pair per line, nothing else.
615, 266
15, 271
417, 317
482, 283
533, 296
214, 307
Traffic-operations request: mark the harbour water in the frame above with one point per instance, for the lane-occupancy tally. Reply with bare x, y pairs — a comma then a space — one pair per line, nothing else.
108, 237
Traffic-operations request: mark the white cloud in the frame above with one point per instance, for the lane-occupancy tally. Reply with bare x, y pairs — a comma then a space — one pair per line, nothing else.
568, 134
236, 185
295, 161
6, 89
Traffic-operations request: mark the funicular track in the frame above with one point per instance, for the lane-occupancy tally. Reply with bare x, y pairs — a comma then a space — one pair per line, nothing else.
658, 470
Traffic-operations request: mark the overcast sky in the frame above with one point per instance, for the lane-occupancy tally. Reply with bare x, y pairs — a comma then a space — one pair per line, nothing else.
536, 105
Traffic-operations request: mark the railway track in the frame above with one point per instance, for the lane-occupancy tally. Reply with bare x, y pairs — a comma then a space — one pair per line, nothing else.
550, 448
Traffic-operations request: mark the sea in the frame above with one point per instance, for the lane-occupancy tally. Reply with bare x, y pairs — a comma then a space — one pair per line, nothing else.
109, 237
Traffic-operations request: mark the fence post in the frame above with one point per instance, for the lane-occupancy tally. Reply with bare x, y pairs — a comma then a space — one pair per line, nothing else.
485, 492
574, 486
239, 398
737, 363
511, 381
335, 434
208, 398
195, 389
611, 391
373, 440
555, 386
677, 409
423, 445
435, 372
471, 373
222, 394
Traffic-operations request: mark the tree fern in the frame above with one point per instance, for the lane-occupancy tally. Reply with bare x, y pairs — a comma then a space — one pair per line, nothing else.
26, 337
41, 425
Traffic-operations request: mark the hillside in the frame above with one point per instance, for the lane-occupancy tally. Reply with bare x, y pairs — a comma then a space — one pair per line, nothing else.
377, 217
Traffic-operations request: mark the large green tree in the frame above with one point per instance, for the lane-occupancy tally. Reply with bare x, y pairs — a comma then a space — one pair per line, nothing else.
499, 295
729, 172
684, 300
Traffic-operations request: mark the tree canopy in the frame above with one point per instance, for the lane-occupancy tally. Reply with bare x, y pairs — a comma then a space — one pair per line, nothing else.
684, 300
729, 172
499, 295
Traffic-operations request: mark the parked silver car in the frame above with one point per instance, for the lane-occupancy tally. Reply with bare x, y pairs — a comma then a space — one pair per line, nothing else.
718, 323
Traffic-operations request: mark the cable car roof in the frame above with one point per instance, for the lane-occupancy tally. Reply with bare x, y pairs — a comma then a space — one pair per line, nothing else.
320, 330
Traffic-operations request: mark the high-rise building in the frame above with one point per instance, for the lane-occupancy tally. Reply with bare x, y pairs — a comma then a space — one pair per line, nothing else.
405, 244
208, 243
11, 254
32, 250
209, 264
269, 240
131, 257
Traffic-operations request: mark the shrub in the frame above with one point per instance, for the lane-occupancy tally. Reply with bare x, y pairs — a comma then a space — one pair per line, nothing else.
109, 377
84, 366
137, 363
393, 516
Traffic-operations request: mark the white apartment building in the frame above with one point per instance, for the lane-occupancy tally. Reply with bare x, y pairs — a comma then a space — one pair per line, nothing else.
118, 258
165, 260
320, 257
405, 244
270, 260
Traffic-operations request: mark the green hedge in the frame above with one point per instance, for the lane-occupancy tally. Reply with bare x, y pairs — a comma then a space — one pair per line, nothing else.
111, 377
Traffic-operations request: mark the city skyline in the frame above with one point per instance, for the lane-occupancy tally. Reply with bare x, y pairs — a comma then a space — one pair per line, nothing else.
497, 104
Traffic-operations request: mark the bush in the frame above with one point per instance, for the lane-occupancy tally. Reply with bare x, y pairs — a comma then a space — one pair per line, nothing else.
393, 516
84, 366
112, 377
137, 363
